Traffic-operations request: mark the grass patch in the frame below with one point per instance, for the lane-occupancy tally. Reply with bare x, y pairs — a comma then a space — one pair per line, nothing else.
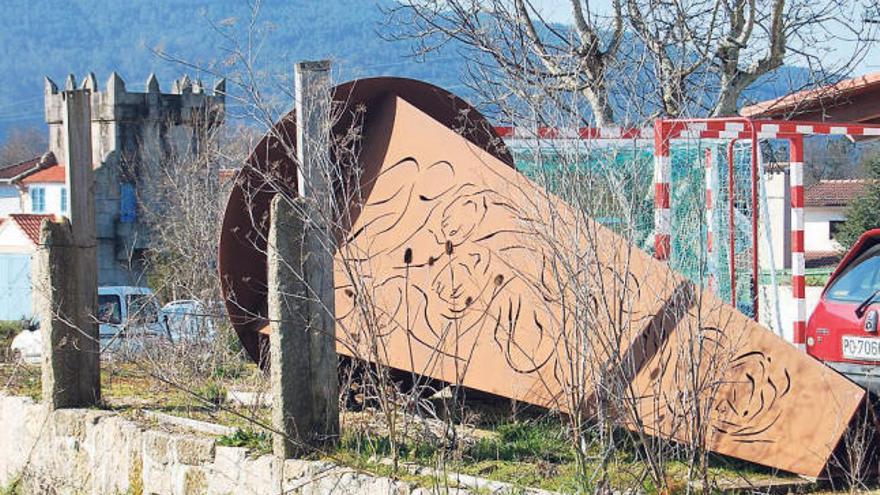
814, 277
523, 453
535, 453
367, 446
8, 331
13, 487
523, 441
23, 380
258, 442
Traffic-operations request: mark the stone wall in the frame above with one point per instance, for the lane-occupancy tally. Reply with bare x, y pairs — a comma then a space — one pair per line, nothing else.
85, 451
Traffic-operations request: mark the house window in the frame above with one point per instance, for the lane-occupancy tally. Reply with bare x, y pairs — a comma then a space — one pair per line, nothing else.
63, 200
834, 227
38, 200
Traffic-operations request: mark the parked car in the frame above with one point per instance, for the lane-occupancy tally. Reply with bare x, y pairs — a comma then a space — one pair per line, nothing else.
188, 320
126, 313
842, 331
128, 316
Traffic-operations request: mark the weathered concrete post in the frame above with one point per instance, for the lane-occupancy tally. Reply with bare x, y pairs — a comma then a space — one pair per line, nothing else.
315, 184
292, 415
301, 295
66, 274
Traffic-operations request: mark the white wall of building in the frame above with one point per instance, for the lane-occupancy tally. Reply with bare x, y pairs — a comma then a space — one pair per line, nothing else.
779, 219
52, 198
10, 200
787, 308
817, 228
13, 240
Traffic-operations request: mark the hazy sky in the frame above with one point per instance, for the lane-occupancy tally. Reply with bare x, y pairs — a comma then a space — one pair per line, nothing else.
559, 11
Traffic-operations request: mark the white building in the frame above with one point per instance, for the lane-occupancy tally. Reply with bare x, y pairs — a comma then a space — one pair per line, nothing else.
825, 205
19, 237
29, 192
33, 186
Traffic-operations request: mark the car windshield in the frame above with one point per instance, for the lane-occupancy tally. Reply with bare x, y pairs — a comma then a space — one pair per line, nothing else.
142, 308
859, 280
109, 309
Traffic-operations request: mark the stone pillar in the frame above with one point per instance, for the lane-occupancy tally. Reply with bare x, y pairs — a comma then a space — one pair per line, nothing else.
70, 353
300, 274
66, 273
315, 173
292, 412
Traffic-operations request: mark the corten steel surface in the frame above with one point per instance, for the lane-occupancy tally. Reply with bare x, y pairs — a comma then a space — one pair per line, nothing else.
475, 274
242, 260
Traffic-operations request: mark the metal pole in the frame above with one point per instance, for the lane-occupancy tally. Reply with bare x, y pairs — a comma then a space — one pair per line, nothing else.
798, 262
731, 219
662, 174
710, 216
755, 213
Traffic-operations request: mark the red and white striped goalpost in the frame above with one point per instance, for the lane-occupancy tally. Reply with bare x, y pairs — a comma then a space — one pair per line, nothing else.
710, 220
662, 177
798, 260
729, 129
736, 129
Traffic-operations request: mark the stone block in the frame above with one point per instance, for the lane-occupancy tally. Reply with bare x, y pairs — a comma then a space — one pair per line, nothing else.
22, 421
101, 453
157, 456
69, 423
224, 473
193, 450
113, 445
157, 447
191, 480
257, 476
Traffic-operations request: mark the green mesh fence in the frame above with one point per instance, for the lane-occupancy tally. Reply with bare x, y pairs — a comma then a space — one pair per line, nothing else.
626, 171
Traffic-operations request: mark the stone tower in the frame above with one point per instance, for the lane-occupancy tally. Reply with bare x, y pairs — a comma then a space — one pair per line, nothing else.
131, 132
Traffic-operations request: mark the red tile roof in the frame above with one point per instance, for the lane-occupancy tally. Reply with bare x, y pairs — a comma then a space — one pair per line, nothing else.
821, 259
29, 223
833, 192
53, 173
11, 171
22, 169
816, 102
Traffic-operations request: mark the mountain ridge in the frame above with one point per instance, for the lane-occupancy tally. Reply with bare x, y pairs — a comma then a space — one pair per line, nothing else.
103, 36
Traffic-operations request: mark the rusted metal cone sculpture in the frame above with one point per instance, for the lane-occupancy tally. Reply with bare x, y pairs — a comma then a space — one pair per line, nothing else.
457, 267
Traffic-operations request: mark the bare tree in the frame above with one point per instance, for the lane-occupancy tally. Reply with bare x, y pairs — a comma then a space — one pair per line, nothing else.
830, 158
677, 56
183, 200
514, 41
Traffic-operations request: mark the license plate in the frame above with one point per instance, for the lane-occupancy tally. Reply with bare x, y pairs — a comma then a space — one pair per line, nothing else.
861, 348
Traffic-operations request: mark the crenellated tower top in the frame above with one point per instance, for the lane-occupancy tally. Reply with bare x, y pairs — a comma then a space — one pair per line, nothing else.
186, 99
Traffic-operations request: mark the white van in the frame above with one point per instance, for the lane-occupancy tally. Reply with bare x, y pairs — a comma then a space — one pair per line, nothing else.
127, 313
128, 317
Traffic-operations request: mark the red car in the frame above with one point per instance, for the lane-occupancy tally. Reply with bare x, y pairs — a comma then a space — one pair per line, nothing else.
842, 331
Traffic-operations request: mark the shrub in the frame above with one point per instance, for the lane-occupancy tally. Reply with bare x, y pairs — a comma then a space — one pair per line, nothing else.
256, 441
